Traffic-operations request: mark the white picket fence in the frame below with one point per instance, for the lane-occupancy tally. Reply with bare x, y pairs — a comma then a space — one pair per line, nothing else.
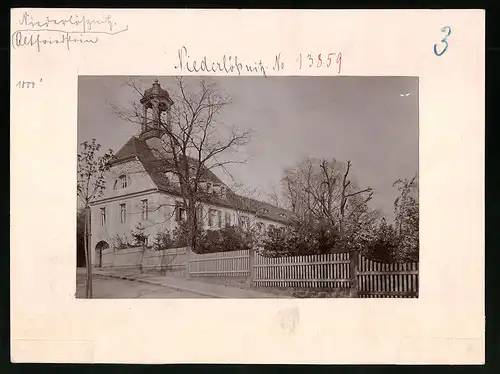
377, 279
330, 271
220, 264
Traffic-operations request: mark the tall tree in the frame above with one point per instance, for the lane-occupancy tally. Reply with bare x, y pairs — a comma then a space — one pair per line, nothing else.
330, 204
321, 191
194, 141
91, 169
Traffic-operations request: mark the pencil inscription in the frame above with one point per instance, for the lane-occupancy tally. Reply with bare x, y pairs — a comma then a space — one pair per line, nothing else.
26, 84
68, 31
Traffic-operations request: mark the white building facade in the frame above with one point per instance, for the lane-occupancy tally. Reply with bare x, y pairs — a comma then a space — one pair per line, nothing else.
140, 192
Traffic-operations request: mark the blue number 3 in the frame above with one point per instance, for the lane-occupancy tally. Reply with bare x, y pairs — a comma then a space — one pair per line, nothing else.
447, 30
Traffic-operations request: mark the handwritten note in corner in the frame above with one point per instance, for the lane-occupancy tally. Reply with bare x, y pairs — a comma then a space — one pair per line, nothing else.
33, 32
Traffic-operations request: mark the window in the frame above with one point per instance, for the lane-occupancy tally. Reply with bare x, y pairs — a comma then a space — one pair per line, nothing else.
223, 192
211, 214
228, 219
172, 178
144, 209
199, 215
282, 215
209, 187
103, 216
219, 218
123, 181
215, 189
180, 213
243, 221
123, 213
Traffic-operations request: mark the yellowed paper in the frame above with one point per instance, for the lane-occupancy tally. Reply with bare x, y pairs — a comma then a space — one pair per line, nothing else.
444, 325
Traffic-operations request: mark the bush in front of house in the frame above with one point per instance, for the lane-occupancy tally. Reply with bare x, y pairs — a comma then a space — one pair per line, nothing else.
298, 240
227, 239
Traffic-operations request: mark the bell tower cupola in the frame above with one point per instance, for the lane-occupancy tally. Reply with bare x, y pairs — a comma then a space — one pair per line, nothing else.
155, 103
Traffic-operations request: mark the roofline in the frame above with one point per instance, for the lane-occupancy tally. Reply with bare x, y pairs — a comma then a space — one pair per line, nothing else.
122, 160
219, 204
163, 191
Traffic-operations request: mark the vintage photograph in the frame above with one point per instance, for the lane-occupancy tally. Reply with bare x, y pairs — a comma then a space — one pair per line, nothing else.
247, 187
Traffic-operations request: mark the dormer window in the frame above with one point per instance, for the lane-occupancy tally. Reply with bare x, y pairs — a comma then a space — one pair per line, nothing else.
262, 211
121, 182
215, 189
172, 178
282, 215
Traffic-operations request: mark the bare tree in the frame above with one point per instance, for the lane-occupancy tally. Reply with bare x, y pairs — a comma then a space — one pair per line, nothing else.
348, 194
274, 197
91, 184
321, 190
193, 142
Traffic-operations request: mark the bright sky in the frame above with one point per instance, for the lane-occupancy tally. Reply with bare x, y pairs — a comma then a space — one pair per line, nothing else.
372, 121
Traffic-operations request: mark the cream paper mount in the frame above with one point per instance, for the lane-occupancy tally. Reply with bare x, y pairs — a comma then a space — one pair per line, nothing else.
52, 48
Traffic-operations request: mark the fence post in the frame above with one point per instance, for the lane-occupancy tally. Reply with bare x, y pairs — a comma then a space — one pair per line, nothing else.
353, 273
251, 267
188, 256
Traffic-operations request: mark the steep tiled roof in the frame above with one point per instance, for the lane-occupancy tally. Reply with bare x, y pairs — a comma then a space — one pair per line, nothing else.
132, 147
156, 169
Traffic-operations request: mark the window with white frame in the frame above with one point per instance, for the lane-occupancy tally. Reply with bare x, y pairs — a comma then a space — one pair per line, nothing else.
123, 213
211, 214
219, 219
103, 216
123, 182
144, 204
228, 219
243, 222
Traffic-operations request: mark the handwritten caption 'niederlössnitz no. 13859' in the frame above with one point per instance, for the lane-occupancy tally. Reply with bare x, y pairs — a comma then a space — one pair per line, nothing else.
232, 64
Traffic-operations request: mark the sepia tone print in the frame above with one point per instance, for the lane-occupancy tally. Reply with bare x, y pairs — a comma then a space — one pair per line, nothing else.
247, 187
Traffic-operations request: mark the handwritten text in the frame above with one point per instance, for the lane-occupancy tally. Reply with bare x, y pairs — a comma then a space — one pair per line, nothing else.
444, 41
319, 60
232, 64
26, 84
74, 29
226, 64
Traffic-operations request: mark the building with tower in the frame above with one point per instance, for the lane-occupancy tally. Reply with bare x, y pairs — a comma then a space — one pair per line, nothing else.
143, 188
